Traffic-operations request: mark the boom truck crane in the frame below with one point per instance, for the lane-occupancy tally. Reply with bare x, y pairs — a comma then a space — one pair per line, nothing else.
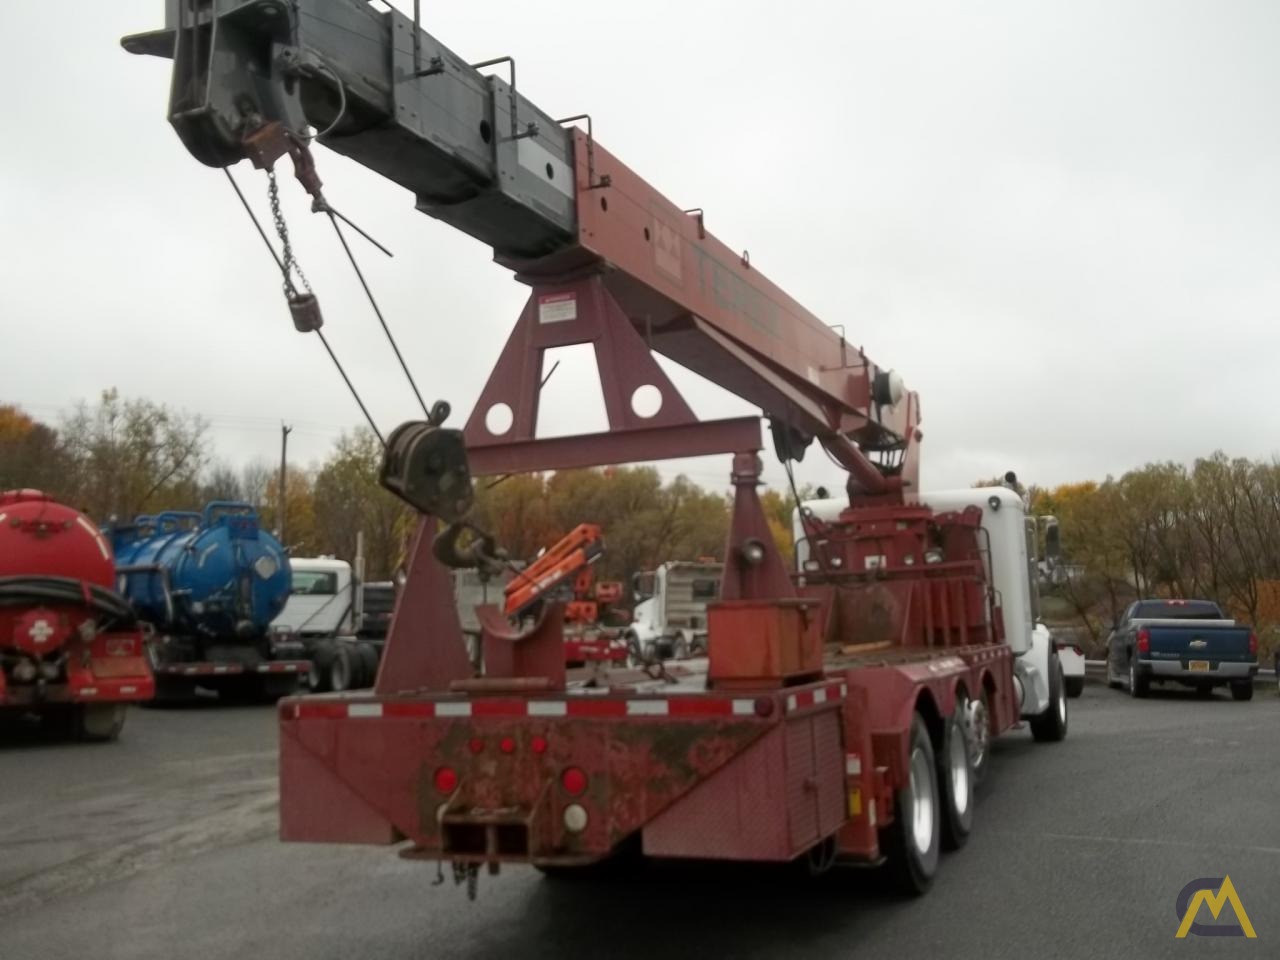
844, 713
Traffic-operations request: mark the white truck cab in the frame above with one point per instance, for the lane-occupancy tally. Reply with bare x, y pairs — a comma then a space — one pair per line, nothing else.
322, 602
1013, 573
670, 618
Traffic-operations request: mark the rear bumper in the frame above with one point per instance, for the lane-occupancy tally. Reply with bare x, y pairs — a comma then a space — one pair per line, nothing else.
483, 779
113, 690
1218, 672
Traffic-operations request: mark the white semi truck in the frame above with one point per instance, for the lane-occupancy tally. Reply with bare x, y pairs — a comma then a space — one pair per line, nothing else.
670, 619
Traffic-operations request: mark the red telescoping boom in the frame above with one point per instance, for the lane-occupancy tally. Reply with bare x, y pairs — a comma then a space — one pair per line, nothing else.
818, 699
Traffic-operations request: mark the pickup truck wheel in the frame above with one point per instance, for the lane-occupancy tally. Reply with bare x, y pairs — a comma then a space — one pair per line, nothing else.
1139, 686
1242, 690
1051, 726
1074, 686
955, 776
912, 840
1112, 680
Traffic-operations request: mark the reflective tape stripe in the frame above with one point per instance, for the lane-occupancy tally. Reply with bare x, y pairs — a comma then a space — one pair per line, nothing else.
453, 708
364, 710
852, 765
548, 708
744, 708
647, 708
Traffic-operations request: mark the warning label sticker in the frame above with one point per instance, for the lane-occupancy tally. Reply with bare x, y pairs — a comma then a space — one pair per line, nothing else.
557, 308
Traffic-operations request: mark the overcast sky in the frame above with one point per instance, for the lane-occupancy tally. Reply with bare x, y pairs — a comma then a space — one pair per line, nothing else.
1059, 221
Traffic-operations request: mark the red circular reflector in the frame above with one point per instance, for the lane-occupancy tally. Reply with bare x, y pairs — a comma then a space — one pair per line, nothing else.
538, 744
574, 780
507, 745
446, 780
476, 745
764, 706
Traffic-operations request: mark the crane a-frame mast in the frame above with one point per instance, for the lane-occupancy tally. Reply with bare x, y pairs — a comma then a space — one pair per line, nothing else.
611, 260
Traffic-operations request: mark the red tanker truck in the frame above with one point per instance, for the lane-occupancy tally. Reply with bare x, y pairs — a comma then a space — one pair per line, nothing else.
71, 649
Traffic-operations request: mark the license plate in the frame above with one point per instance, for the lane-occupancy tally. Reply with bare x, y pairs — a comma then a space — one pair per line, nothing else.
1198, 666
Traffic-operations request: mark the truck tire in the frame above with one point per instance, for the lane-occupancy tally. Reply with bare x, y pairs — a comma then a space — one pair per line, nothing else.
1242, 690
321, 658
955, 783
342, 669
368, 655
1051, 726
97, 722
1139, 686
912, 841
1074, 686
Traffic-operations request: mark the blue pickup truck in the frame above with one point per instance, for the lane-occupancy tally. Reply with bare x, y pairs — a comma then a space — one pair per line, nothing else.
1181, 641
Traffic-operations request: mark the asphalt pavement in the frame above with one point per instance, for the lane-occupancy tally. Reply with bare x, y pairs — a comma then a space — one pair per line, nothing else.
163, 846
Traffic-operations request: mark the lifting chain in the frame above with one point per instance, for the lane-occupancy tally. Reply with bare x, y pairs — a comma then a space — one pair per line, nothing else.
288, 262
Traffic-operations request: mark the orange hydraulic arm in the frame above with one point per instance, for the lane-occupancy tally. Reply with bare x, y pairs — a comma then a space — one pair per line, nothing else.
578, 548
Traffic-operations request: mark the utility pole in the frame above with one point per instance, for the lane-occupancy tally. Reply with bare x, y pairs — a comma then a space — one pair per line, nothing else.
280, 491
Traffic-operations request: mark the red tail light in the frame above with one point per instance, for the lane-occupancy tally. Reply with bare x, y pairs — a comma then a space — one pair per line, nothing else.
574, 781
1079, 650
1253, 644
446, 780
507, 745
1144, 641
476, 745
538, 744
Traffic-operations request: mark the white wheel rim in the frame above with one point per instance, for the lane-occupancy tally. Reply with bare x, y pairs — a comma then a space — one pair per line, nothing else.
959, 764
922, 813
339, 674
977, 728
1133, 675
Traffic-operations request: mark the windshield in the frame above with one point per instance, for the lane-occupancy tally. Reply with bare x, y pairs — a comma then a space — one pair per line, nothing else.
1176, 610
314, 583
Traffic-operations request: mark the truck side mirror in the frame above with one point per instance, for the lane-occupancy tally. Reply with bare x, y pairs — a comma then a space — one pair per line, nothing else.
642, 585
1052, 538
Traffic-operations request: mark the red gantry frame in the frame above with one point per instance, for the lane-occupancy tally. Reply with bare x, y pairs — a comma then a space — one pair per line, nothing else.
794, 738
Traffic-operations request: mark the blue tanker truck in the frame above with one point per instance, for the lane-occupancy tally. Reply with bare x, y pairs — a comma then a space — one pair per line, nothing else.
208, 585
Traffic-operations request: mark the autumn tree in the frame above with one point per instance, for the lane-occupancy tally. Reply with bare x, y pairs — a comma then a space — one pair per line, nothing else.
348, 501
30, 455
125, 457
300, 535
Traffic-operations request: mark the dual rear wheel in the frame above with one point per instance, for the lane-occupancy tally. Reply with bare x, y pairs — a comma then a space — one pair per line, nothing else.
933, 811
